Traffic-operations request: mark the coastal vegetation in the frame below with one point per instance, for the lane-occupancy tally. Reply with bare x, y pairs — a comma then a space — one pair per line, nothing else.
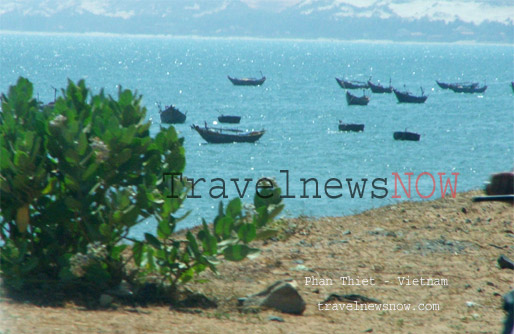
79, 174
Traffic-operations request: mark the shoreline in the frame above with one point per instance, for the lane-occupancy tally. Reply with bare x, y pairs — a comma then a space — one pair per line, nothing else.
451, 238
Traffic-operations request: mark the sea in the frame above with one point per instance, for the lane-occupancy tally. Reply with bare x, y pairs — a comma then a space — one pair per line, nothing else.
299, 106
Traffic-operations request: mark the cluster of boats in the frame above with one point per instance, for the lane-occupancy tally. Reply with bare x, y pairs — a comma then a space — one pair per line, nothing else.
402, 96
171, 115
213, 135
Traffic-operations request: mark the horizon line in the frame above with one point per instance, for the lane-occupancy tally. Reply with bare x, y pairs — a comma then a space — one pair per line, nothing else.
250, 38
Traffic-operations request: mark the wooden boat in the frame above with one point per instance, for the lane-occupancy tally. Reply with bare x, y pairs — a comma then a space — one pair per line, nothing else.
353, 100
407, 97
171, 115
222, 136
468, 88
352, 84
229, 119
350, 127
405, 135
378, 88
444, 85
247, 81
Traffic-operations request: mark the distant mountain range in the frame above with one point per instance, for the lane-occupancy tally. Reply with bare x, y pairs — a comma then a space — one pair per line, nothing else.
417, 21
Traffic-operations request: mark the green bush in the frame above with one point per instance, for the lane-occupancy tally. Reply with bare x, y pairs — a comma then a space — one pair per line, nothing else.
77, 176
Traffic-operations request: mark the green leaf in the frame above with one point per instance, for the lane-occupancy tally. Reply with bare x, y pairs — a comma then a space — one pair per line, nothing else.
137, 252
236, 252
247, 233
234, 208
163, 230
153, 241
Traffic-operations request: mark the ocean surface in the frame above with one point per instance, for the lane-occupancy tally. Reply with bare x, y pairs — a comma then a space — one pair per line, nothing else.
299, 106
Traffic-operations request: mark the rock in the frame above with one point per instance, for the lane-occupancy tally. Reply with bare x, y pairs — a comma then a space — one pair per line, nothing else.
106, 300
335, 242
197, 300
464, 210
505, 263
347, 232
122, 290
501, 184
275, 318
301, 267
281, 295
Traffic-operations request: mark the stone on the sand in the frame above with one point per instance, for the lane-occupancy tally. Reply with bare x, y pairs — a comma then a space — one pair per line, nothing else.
281, 295
505, 263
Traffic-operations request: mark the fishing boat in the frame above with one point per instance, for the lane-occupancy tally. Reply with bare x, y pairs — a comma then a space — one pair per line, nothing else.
378, 88
405, 135
468, 88
353, 100
354, 84
408, 97
444, 85
350, 127
171, 115
229, 119
222, 136
247, 81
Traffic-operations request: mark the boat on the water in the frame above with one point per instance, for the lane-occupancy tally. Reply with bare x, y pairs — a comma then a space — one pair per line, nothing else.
444, 85
171, 115
512, 84
223, 136
405, 135
247, 81
350, 127
471, 88
408, 97
378, 88
353, 100
229, 119
354, 84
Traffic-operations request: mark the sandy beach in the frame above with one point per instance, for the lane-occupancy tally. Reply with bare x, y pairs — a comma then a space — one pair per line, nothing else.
439, 255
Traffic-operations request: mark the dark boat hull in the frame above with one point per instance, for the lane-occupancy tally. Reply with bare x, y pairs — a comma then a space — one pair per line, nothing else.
172, 115
353, 100
218, 137
380, 89
246, 81
229, 119
404, 97
351, 127
443, 85
352, 84
468, 89
404, 135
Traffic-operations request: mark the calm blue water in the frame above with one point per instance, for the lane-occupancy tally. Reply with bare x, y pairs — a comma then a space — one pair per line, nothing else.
299, 105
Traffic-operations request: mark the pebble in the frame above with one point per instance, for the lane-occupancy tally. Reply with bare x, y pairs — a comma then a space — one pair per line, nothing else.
275, 318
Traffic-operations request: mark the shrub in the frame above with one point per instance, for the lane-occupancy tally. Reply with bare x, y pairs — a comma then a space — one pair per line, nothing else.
78, 175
